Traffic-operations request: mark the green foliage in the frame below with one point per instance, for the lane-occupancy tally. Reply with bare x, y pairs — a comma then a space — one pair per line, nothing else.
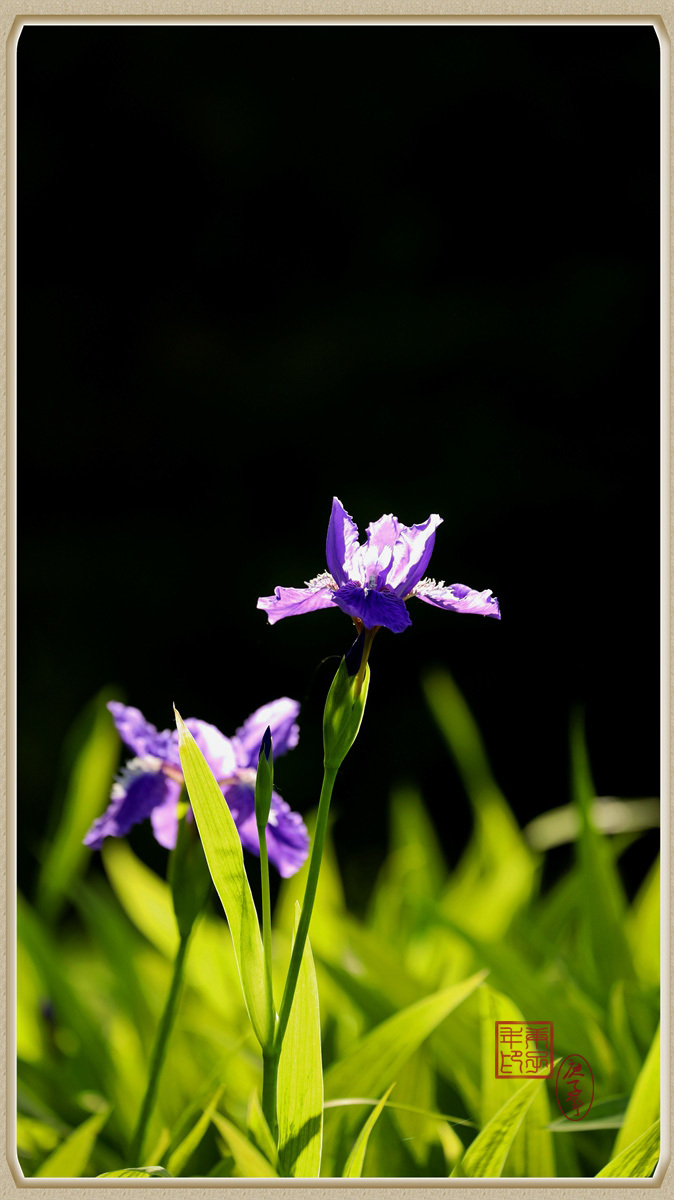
224, 854
70, 1159
353, 1167
486, 1156
409, 993
300, 1079
638, 1160
91, 752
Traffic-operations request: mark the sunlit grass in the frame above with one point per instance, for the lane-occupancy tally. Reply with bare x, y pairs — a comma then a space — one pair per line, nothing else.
408, 995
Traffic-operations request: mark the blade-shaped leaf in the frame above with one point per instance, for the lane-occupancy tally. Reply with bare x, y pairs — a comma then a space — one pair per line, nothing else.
87, 792
145, 897
250, 1164
485, 1157
531, 1154
353, 1167
136, 1173
643, 927
373, 1062
496, 875
644, 1105
71, 1157
184, 1151
224, 854
638, 1160
604, 906
300, 1079
259, 1130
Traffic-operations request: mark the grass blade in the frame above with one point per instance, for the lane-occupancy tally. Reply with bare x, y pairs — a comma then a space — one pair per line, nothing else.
604, 908
531, 1154
644, 1105
370, 1066
87, 793
136, 1173
638, 1160
71, 1157
224, 854
250, 1164
497, 873
300, 1079
188, 1145
353, 1168
485, 1157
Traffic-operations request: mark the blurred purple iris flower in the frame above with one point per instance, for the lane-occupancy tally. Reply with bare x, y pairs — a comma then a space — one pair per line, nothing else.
372, 582
149, 785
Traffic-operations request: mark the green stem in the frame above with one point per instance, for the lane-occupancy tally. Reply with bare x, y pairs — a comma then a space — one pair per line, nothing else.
158, 1053
266, 907
269, 1088
329, 776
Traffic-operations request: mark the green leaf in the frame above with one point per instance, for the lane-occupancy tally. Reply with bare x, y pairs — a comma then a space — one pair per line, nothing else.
643, 928
531, 1154
300, 1078
87, 793
185, 1150
250, 1164
46, 953
353, 1168
136, 1173
604, 907
188, 877
644, 1105
224, 854
638, 1160
143, 895
259, 1129
370, 1066
71, 1157
496, 875
485, 1157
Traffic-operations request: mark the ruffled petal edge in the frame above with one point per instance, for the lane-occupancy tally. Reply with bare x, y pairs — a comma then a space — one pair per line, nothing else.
281, 718
458, 598
292, 602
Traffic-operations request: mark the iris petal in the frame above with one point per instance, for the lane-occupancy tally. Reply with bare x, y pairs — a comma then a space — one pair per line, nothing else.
165, 816
412, 554
373, 607
287, 837
342, 542
281, 718
215, 747
133, 798
137, 733
458, 598
291, 602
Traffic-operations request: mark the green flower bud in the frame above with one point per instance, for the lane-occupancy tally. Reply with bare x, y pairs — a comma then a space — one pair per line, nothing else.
345, 704
264, 780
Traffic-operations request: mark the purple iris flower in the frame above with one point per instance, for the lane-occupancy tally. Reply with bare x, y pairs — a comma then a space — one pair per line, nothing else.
149, 785
372, 582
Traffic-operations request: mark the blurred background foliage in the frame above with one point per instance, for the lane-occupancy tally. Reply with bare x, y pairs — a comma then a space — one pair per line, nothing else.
416, 267
409, 993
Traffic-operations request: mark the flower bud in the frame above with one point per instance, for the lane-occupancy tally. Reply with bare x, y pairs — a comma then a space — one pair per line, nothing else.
264, 780
345, 704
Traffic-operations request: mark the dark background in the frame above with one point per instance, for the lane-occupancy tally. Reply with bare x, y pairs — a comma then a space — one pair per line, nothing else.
413, 266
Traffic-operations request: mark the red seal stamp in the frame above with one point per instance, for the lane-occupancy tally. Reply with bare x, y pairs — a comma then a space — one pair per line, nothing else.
575, 1087
524, 1049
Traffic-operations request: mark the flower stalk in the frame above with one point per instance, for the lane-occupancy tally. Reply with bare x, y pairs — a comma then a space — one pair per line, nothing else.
264, 783
159, 1052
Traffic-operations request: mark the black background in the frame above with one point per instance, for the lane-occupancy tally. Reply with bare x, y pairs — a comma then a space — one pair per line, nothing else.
415, 266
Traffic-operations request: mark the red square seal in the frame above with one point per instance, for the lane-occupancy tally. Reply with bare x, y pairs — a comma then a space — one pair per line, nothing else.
524, 1049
